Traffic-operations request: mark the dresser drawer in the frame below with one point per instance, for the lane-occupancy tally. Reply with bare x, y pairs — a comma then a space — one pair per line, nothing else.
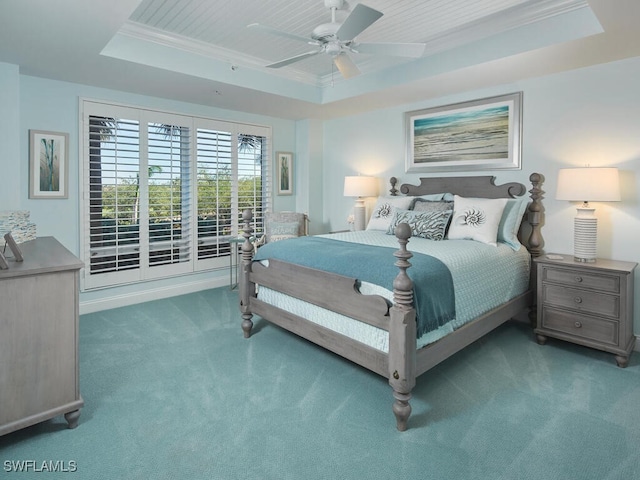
581, 326
582, 300
603, 282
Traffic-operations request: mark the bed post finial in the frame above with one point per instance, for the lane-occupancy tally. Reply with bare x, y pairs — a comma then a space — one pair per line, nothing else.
535, 215
402, 285
402, 333
394, 191
245, 287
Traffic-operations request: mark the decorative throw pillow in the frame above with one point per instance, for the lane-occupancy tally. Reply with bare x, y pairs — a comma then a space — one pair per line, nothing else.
283, 230
432, 197
383, 211
510, 222
476, 219
429, 225
421, 205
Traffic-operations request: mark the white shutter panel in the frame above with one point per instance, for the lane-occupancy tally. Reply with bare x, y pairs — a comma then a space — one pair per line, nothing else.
215, 179
253, 179
113, 238
169, 196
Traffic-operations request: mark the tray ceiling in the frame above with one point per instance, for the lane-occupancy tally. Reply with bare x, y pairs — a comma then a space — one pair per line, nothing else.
201, 51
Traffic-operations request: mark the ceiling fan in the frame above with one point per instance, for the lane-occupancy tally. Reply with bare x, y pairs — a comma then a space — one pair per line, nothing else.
338, 39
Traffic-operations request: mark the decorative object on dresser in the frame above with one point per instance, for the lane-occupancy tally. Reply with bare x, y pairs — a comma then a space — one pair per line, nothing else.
39, 337
17, 222
585, 185
360, 187
13, 246
316, 279
590, 304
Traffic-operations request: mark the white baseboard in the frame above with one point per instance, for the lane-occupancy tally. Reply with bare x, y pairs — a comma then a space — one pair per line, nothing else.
123, 300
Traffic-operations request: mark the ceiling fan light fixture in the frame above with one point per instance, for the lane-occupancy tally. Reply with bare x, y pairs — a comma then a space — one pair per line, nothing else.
335, 39
333, 48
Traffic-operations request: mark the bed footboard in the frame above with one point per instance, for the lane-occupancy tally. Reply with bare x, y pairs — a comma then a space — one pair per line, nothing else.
340, 294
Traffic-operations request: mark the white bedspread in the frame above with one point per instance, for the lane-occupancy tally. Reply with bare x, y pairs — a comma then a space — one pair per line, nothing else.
484, 277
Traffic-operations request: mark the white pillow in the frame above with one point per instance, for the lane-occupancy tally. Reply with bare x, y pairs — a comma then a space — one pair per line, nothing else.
383, 211
476, 219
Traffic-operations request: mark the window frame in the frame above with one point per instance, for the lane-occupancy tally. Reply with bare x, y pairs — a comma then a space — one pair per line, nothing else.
144, 271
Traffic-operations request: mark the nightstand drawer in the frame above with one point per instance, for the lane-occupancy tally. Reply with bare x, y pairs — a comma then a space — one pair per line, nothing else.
582, 300
606, 283
597, 329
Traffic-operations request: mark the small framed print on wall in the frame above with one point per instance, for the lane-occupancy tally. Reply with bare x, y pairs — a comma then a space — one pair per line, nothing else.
284, 173
48, 164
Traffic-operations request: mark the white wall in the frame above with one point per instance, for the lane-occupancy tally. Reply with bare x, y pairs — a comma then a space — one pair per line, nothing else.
587, 116
10, 166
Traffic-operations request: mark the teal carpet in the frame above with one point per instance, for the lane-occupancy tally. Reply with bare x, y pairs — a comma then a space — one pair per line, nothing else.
173, 391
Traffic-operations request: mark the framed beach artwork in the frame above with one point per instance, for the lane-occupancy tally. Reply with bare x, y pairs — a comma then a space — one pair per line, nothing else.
48, 164
482, 134
284, 173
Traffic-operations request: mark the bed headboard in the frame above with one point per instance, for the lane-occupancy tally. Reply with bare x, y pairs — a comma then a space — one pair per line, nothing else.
485, 187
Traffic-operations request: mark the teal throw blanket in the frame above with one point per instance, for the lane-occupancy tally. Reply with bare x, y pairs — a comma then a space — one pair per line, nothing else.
433, 295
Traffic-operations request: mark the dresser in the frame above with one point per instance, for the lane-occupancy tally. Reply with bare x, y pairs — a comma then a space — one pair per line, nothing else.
589, 304
39, 336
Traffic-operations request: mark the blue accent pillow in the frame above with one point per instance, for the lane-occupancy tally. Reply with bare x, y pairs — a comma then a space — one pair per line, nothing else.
429, 225
510, 222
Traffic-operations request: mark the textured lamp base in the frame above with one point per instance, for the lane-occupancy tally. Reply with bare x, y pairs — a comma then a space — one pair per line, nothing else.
359, 215
585, 235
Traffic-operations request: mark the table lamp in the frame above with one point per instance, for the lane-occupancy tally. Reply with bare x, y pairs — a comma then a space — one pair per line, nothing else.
360, 187
585, 185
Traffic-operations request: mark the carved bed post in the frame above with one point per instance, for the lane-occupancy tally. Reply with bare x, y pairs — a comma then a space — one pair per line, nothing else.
246, 288
402, 333
535, 215
535, 238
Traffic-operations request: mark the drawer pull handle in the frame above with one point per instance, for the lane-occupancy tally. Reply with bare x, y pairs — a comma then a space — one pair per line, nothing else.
577, 300
578, 279
578, 324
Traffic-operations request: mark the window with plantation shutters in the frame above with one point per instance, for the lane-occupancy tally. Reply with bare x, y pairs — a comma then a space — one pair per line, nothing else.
163, 193
232, 176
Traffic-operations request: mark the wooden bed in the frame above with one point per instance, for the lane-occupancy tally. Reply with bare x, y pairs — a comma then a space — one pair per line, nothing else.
403, 362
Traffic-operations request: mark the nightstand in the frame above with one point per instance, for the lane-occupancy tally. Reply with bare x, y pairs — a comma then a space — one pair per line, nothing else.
589, 304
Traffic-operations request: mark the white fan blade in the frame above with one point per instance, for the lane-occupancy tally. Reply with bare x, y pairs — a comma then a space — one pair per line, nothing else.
279, 33
412, 50
357, 22
297, 58
346, 66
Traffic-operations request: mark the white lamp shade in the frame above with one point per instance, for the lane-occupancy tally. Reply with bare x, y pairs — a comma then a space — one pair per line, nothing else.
588, 184
360, 186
